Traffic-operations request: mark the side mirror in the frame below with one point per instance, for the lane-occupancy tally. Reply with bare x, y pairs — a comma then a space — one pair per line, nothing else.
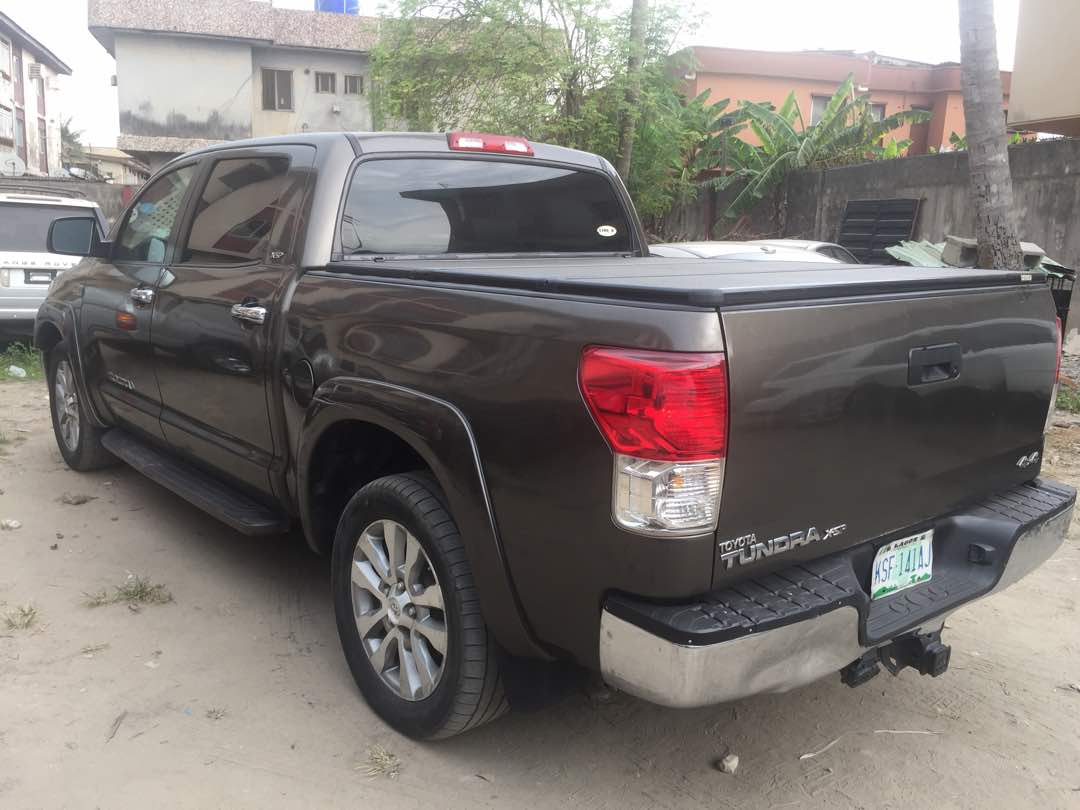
76, 236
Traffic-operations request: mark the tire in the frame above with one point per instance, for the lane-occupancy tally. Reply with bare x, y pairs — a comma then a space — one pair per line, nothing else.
78, 439
432, 695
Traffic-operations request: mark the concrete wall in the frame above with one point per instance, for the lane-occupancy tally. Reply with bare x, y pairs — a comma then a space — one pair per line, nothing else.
312, 112
112, 198
1046, 190
183, 86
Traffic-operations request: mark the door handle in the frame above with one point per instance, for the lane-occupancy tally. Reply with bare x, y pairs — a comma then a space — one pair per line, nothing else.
249, 312
142, 295
934, 364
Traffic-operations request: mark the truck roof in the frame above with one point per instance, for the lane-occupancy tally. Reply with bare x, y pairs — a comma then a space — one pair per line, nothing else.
46, 199
435, 142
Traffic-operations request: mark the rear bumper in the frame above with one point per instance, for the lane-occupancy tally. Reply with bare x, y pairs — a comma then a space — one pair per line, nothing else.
20, 304
789, 628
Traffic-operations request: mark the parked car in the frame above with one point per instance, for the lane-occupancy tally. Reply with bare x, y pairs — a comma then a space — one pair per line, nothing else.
737, 252
830, 249
26, 266
516, 436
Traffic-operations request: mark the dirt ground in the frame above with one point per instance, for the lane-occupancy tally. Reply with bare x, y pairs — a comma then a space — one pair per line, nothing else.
236, 694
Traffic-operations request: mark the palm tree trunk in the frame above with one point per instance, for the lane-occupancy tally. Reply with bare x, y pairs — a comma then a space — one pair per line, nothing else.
988, 151
628, 121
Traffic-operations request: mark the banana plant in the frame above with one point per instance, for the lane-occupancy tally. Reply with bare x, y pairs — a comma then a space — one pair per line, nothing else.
847, 133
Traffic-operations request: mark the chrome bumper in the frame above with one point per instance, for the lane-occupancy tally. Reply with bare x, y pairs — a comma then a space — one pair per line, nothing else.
777, 660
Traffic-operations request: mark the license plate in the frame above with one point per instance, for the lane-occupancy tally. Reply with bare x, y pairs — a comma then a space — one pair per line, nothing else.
902, 564
44, 277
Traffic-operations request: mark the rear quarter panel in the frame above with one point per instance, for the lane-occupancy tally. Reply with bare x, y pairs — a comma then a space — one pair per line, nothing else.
509, 363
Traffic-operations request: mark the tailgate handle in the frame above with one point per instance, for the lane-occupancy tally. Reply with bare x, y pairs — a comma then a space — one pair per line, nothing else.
934, 364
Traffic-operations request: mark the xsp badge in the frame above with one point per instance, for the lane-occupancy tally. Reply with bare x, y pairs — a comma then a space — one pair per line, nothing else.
123, 382
748, 548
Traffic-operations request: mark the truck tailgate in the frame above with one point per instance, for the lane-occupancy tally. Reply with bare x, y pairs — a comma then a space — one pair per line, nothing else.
876, 414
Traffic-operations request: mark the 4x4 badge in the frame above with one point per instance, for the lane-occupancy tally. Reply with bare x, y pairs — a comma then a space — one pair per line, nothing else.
1026, 461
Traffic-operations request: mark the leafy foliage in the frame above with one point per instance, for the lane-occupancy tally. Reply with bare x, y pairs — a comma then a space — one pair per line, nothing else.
71, 145
551, 70
556, 71
959, 142
847, 133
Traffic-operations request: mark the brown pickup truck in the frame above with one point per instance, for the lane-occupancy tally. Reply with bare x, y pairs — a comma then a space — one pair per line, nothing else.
451, 360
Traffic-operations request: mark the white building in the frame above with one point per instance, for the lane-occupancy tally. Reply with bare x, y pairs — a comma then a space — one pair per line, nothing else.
29, 113
192, 72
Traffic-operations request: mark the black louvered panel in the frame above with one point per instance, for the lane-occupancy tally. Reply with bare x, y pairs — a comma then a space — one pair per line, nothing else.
870, 226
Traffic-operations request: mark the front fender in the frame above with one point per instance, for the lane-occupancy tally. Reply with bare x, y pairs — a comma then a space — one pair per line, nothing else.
440, 434
61, 317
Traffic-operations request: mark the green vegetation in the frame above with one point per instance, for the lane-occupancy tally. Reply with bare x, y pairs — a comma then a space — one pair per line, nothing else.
1068, 398
133, 592
22, 618
558, 71
959, 142
847, 133
21, 355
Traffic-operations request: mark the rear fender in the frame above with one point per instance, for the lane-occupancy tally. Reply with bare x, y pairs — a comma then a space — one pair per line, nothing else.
440, 434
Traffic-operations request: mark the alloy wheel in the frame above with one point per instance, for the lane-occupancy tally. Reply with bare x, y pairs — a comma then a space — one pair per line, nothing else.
399, 610
66, 406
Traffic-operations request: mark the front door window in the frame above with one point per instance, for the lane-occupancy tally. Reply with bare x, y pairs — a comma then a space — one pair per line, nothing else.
151, 222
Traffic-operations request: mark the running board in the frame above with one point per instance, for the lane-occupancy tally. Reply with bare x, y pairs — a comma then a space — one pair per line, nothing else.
220, 500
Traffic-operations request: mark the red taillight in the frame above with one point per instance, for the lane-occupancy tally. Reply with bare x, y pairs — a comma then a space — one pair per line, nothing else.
665, 406
1057, 371
484, 142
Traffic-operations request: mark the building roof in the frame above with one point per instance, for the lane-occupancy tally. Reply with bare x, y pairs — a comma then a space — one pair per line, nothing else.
10, 28
259, 23
871, 69
114, 155
161, 144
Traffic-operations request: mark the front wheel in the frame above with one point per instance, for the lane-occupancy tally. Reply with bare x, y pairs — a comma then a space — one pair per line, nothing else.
78, 439
408, 611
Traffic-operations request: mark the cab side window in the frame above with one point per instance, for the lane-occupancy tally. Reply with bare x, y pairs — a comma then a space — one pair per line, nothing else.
236, 212
152, 220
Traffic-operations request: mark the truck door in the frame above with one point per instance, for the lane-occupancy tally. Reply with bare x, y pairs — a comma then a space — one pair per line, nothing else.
216, 307
114, 328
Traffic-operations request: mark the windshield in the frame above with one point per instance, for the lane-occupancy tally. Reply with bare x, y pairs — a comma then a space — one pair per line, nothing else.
444, 206
24, 228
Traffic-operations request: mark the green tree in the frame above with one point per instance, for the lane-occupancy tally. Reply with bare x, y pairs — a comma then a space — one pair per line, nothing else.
546, 69
557, 71
71, 145
847, 133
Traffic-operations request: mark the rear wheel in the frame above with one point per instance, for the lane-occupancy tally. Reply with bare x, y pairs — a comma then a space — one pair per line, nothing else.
408, 611
78, 439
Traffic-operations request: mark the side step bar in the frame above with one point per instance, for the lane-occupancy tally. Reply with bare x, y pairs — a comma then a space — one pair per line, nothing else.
196, 487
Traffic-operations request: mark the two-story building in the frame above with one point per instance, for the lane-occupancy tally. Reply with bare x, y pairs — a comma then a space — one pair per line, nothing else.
29, 113
893, 84
194, 72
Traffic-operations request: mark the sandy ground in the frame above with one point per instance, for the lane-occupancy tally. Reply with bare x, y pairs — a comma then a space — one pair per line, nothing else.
236, 694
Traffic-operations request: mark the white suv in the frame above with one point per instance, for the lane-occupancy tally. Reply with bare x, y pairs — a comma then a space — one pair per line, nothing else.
26, 266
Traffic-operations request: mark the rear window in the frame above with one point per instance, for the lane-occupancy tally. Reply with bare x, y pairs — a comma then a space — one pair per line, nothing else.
25, 228
444, 206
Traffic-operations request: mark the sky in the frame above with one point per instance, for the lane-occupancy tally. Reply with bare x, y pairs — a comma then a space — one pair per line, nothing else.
923, 30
